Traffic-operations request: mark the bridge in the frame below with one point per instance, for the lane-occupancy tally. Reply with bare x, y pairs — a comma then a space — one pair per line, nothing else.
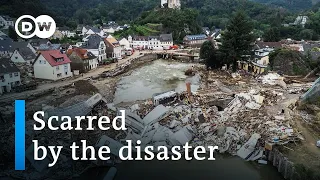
172, 55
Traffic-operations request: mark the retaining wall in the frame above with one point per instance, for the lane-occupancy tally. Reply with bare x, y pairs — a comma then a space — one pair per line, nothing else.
281, 162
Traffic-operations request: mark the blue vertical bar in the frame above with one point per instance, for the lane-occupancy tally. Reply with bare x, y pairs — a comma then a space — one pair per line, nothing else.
20, 135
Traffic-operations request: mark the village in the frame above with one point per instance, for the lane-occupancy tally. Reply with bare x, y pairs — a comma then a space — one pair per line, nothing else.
254, 113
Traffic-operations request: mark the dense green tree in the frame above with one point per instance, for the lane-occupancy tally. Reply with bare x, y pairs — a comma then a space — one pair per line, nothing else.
314, 22
237, 39
272, 35
209, 54
12, 34
174, 21
306, 34
207, 13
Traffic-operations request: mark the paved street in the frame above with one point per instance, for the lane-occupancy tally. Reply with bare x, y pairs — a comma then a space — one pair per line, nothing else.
42, 87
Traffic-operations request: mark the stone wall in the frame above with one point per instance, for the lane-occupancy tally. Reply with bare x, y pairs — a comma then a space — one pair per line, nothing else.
284, 166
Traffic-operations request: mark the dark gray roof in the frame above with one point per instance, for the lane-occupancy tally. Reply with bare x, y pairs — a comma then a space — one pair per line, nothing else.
38, 41
166, 37
153, 37
7, 18
140, 38
93, 42
5, 43
26, 53
47, 47
95, 29
7, 66
18, 45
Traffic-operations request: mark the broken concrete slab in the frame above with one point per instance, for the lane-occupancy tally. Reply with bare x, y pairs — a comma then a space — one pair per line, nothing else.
182, 136
248, 148
156, 115
111, 143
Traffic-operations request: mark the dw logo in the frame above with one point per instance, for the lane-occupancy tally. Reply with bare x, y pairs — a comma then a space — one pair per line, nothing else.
43, 26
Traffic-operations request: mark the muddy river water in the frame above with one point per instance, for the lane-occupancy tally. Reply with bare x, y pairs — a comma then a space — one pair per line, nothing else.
157, 77
160, 76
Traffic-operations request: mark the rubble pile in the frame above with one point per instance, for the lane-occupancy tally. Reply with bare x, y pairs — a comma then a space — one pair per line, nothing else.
65, 167
234, 118
217, 115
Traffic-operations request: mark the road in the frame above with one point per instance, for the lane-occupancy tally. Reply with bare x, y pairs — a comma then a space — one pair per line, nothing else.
42, 87
10, 97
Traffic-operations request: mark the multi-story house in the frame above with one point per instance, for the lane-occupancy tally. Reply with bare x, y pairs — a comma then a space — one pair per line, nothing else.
195, 40
9, 75
95, 44
52, 65
164, 41
139, 42
82, 60
113, 48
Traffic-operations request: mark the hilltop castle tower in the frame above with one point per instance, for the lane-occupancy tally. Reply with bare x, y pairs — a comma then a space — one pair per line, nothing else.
173, 4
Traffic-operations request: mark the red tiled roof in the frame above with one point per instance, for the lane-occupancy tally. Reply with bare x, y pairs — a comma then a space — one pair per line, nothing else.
51, 55
81, 53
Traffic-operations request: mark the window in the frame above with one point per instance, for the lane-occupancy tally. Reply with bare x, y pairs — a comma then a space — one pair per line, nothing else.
10, 75
59, 59
40, 62
44, 62
57, 68
66, 73
59, 75
16, 57
16, 74
2, 78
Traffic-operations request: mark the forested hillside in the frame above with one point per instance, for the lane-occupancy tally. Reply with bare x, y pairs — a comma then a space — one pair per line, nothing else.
295, 5
267, 15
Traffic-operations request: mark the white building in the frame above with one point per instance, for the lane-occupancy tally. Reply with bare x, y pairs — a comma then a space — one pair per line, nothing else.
9, 76
139, 42
154, 42
96, 45
166, 41
23, 55
173, 4
86, 31
52, 65
163, 41
113, 48
6, 22
109, 30
124, 43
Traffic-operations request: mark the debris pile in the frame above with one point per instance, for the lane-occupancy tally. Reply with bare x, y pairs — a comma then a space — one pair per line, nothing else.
230, 113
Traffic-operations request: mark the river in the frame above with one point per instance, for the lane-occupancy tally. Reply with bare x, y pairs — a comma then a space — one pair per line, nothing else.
160, 76
157, 77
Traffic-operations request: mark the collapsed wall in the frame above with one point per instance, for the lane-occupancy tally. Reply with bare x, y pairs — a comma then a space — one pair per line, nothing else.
313, 94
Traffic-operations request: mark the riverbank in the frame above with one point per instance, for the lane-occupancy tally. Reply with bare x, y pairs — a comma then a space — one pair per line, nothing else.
211, 117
